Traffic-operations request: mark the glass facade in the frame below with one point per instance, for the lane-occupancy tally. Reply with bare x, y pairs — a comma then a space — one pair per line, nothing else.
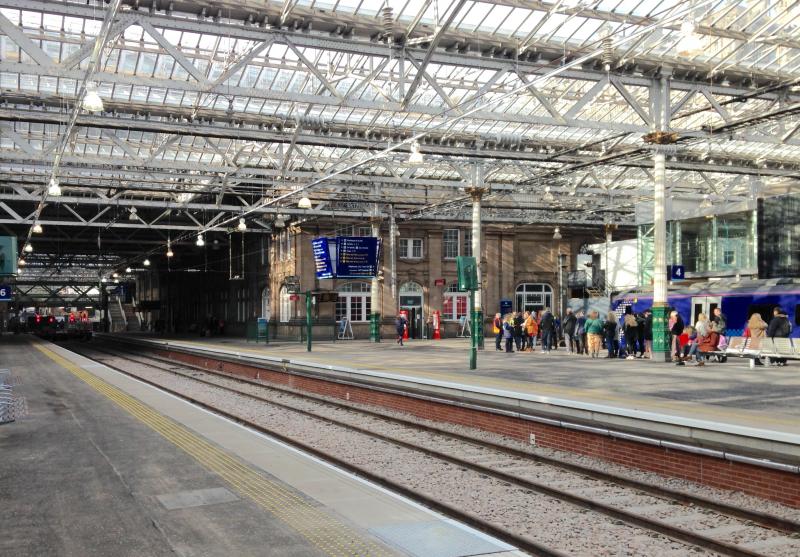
779, 237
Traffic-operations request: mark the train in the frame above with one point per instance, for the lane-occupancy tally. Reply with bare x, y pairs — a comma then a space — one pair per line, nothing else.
738, 300
69, 324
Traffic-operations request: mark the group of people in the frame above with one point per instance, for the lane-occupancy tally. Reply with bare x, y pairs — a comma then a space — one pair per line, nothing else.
582, 334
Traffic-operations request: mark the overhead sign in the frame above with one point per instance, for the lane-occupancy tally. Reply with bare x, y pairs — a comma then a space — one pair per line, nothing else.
677, 272
357, 256
8, 255
322, 258
6, 293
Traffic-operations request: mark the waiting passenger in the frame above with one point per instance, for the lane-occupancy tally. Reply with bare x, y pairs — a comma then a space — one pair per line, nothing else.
531, 328
570, 323
779, 327
400, 324
580, 333
648, 333
756, 330
676, 327
721, 321
518, 321
631, 333
705, 346
611, 333
508, 333
547, 328
497, 329
594, 330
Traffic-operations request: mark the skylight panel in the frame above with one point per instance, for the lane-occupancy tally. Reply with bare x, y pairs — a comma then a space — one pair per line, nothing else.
475, 16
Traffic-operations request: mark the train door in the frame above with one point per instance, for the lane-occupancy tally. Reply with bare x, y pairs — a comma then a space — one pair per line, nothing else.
411, 295
706, 305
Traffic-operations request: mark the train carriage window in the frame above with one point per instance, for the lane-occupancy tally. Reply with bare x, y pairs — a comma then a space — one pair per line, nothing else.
765, 310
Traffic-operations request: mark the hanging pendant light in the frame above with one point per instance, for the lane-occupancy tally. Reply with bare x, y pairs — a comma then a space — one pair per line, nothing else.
415, 157
21, 262
54, 189
28, 248
304, 203
170, 253
91, 100
557, 233
242, 226
200, 241
132, 214
146, 262
127, 269
37, 228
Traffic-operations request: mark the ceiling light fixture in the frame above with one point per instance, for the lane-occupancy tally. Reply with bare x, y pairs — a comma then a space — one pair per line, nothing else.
415, 157
146, 262
242, 226
132, 215
170, 253
28, 248
127, 269
54, 189
690, 43
115, 275
37, 228
305, 203
557, 233
706, 203
21, 262
280, 221
91, 99
200, 241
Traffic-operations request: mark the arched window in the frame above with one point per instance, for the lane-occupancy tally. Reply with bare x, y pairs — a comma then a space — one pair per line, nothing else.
533, 296
265, 309
354, 302
287, 305
455, 304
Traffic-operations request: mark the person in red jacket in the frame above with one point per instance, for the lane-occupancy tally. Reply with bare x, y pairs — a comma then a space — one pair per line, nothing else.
706, 345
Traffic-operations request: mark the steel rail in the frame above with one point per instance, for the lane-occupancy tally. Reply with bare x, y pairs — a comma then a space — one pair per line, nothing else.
614, 512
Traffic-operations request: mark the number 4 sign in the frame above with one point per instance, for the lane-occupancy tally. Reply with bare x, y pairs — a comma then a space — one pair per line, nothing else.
677, 272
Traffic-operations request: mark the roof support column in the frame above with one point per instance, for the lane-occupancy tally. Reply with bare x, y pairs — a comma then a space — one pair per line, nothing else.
477, 190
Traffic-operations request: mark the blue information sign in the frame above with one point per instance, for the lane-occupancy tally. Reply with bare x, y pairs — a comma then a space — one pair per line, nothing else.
677, 272
322, 258
356, 256
5, 293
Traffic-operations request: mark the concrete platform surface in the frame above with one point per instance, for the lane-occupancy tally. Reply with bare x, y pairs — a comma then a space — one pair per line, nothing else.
765, 400
106, 465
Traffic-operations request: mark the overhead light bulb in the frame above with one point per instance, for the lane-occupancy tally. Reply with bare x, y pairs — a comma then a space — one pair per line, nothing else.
127, 269
242, 226
280, 221
557, 233
305, 203
115, 275
132, 215
21, 262
170, 253
690, 43
28, 248
54, 189
146, 262
91, 99
116, 281
200, 241
415, 157
37, 228
706, 203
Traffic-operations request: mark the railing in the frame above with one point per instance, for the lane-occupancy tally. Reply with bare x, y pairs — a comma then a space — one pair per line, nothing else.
122, 312
581, 279
11, 407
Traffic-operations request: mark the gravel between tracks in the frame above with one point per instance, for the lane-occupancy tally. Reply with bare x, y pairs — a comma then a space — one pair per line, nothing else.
539, 514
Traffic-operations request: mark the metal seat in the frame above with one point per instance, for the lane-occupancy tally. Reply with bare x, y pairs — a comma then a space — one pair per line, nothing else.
783, 347
736, 345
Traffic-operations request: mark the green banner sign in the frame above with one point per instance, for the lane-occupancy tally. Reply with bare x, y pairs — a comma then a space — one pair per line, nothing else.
8, 255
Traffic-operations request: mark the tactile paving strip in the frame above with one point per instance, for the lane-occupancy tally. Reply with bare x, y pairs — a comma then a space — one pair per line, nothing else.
330, 535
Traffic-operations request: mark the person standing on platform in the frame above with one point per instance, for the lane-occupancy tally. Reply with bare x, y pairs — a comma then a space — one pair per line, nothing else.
580, 333
594, 330
647, 335
721, 321
676, 327
497, 329
631, 333
757, 328
570, 323
547, 327
508, 333
400, 324
518, 321
531, 327
611, 333
779, 327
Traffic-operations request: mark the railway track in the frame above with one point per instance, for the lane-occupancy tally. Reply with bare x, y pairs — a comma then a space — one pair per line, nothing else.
697, 522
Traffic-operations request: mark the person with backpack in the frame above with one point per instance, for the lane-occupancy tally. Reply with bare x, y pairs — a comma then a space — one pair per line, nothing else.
547, 328
508, 333
611, 333
518, 341
631, 333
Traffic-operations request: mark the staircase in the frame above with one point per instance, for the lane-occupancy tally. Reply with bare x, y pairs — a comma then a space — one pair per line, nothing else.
131, 318
116, 315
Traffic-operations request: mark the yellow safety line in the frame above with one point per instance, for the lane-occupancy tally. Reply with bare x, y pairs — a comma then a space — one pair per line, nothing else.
329, 534
595, 396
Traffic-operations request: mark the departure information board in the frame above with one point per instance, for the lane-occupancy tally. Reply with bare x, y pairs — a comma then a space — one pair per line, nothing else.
357, 256
322, 257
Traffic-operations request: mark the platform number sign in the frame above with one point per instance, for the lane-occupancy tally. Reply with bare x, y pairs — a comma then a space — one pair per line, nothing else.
5, 293
677, 272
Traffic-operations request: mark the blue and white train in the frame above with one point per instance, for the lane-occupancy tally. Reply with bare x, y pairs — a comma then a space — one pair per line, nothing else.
738, 300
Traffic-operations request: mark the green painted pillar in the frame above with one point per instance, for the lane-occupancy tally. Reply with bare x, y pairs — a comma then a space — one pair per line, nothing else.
473, 349
476, 326
375, 327
309, 299
662, 352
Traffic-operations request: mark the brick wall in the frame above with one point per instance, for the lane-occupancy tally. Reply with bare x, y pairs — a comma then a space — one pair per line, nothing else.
782, 487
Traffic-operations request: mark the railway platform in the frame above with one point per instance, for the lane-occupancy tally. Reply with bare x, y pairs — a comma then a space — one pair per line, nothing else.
721, 424
106, 465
